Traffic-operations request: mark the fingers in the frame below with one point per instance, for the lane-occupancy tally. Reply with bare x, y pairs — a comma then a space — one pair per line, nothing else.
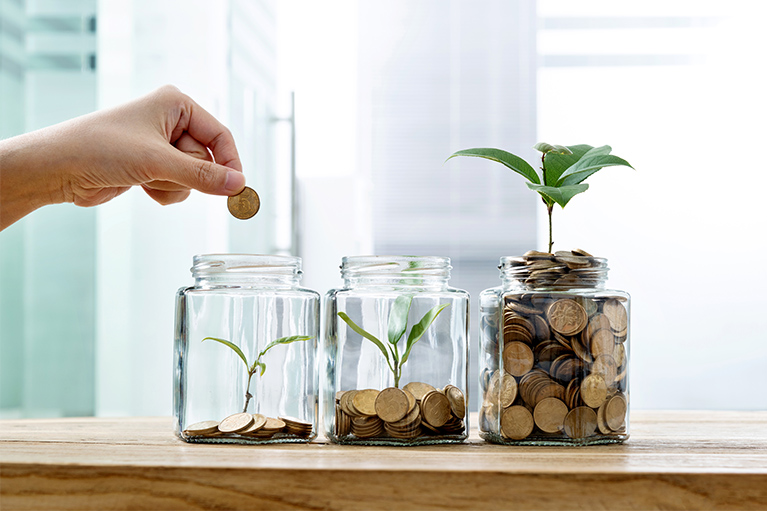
165, 197
187, 144
179, 171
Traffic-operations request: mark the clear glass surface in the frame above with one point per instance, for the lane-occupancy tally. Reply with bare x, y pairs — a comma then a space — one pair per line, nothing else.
354, 363
553, 355
249, 302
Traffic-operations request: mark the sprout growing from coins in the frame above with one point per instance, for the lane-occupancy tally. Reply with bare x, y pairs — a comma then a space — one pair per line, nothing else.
563, 170
258, 365
396, 330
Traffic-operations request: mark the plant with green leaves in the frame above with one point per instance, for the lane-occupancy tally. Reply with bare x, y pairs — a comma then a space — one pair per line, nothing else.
398, 315
563, 170
257, 365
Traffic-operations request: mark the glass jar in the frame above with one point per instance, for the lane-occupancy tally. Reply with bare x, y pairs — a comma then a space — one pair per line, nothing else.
554, 351
396, 353
245, 352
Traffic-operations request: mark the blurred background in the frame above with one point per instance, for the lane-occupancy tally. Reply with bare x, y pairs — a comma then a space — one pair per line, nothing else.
344, 113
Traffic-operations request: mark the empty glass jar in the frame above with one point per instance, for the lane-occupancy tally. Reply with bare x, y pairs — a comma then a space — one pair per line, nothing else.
395, 353
554, 351
245, 348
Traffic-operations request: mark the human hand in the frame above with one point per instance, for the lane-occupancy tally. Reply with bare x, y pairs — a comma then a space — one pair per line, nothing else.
164, 142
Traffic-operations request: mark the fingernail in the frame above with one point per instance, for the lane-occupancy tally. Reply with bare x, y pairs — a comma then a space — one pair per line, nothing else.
235, 182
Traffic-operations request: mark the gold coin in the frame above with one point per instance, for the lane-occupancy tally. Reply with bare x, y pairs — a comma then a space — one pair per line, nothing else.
258, 422
457, 401
518, 358
616, 314
606, 366
201, 428
601, 423
603, 343
364, 401
517, 422
274, 424
391, 404
597, 322
549, 414
245, 204
411, 401
346, 403
567, 316
236, 423
508, 391
419, 389
581, 422
593, 390
435, 408
615, 412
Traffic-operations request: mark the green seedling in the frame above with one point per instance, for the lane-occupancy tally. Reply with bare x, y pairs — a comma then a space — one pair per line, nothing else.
258, 365
563, 170
396, 330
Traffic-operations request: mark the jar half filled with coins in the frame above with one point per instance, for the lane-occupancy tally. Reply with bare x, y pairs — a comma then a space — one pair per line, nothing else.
396, 353
554, 351
245, 352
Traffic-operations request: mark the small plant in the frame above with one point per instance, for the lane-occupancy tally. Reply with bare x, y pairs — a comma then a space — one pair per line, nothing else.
396, 330
563, 170
257, 364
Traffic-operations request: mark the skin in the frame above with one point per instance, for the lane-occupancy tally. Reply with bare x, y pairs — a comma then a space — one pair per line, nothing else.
164, 142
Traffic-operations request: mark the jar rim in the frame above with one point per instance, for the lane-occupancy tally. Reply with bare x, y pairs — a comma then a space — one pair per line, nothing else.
257, 264
552, 271
391, 266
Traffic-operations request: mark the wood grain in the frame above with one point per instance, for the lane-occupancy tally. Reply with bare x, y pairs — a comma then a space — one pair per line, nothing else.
674, 460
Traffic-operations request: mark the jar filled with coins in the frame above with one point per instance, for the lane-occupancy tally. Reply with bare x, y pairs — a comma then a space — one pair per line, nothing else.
554, 351
245, 352
396, 353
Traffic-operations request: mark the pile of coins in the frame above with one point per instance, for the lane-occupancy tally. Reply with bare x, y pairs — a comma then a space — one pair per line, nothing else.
564, 268
249, 425
563, 364
416, 410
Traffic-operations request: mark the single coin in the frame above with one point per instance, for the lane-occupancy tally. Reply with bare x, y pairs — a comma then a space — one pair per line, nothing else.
391, 404
346, 403
274, 424
456, 399
581, 422
236, 423
542, 332
435, 408
509, 389
580, 252
616, 314
549, 414
517, 422
615, 412
603, 343
411, 400
593, 390
259, 421
245, 204
419, 389
339, 395
597, 322
201, 428
518, 358
364, 401
567, 317
601, 423
605, 366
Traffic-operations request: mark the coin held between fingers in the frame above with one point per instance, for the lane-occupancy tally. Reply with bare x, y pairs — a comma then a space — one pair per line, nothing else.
245, 204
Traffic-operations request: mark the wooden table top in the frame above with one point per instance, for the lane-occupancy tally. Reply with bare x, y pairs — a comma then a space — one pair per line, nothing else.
674, 460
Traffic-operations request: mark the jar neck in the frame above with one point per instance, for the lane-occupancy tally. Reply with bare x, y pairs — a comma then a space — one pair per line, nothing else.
553, 272
396, 271
245, 270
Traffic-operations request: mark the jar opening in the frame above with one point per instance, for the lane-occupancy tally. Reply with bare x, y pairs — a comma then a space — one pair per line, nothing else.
562, 270
402, 270
245, 266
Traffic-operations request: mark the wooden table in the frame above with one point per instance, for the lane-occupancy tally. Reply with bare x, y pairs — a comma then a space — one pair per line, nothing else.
674, 460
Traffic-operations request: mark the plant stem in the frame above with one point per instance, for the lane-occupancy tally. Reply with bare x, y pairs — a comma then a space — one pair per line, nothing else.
550, 209
248, 395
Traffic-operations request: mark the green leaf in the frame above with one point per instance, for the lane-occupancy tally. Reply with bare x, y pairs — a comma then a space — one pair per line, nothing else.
260, 365
559, 194
589, 165
398, 318
556, 164
367, 336
420, 328
511, 161
234, 348
283, 340
548, 148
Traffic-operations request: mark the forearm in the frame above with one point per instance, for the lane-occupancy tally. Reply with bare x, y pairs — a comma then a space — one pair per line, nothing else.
29, 177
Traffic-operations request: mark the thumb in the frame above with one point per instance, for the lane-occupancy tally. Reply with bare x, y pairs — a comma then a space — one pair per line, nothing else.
205, 176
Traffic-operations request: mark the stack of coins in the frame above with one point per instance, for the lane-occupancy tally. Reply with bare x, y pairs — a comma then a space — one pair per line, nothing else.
563, 361
416, 410
561, 269
246, 425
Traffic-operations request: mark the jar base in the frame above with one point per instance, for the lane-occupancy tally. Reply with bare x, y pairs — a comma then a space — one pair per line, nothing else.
400, 442
555, 442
